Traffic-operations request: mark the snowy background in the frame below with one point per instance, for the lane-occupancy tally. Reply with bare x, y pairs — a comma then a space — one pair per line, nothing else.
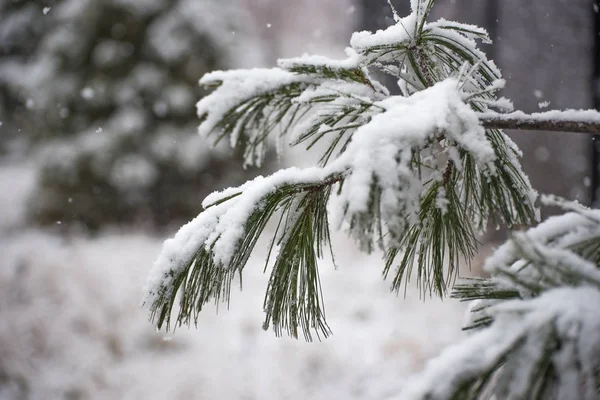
70, 285
71, 326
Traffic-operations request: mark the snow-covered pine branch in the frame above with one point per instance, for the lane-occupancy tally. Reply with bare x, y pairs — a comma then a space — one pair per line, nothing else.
418, 176
535, 320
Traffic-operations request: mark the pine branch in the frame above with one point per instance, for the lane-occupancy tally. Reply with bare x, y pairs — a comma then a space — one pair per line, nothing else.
202, 260
419, 175
533, 320
575, 121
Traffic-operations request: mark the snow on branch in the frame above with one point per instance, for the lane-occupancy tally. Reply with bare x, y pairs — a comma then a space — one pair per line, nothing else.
261, 98
576, 121
420, 174
405, 173
545, 281
205, 255
249, 105
544, 347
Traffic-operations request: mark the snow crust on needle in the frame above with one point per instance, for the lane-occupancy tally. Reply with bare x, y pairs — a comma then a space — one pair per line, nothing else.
394, 34
468, 30
353, 61
235, 87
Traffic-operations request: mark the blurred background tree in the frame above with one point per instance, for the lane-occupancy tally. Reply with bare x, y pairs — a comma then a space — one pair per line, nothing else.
102, 92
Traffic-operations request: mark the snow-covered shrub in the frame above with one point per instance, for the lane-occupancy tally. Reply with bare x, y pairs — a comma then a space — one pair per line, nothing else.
105, 90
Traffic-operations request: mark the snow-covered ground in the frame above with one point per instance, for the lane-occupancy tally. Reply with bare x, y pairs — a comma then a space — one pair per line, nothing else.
71, 326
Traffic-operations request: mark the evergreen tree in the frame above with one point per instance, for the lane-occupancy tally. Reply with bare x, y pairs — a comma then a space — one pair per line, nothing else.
417, 175
104, 92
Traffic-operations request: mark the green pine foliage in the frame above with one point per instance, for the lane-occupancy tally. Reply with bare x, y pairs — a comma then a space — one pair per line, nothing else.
533, 322
415, 176
434, 226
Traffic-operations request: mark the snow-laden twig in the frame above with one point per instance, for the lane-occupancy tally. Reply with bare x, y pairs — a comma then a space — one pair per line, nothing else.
576, 121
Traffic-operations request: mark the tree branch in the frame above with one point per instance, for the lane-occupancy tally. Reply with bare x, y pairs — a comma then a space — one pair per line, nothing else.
578, 121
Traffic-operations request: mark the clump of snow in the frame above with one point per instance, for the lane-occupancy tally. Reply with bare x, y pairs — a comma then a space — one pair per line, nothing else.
562, 231
353, 61
383, 149
394, 34
543, 104
549, 245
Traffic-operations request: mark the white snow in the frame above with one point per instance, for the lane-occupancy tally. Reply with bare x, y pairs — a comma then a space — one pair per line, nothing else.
71, 325
570, 313
543, 104
235, 87
580, 116
87, 93
383, 148
394, 34
353, 61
